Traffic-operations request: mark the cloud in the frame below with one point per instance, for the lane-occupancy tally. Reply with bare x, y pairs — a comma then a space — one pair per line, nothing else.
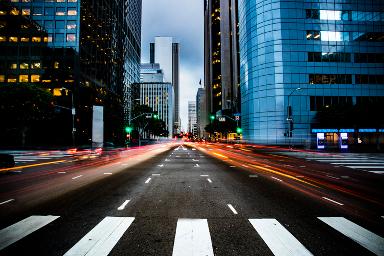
183, 20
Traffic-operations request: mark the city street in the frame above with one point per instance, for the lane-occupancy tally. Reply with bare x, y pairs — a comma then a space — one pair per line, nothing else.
194, 199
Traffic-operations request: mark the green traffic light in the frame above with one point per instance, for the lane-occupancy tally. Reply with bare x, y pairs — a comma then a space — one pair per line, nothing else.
156, 116
212, 117
239, 130
128, 129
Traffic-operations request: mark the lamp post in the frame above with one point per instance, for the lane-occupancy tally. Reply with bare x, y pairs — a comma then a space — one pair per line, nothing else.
73, 110
289, 116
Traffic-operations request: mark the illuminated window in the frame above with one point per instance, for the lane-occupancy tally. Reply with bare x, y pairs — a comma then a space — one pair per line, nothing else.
60, 11
14, 11
24, 66
35, 78
23, 78
12, 79
3, 12
72, 11
50, 38
13, 66
3, 39
71, 24
24, 39
56, 64
25, 12
3, 24
60, 1
37, 11
36, 39
45, 39
57, 92
35, 65
2, 78
26, 1
71, 37
13, 39
24, 26
72, 1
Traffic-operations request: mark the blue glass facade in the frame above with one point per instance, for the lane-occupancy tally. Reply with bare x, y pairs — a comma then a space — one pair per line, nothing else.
332, 50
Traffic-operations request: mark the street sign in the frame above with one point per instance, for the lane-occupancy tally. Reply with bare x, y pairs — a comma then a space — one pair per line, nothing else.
237, 118
221, 119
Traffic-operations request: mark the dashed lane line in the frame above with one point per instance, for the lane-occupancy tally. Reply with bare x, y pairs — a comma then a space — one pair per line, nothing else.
232, 208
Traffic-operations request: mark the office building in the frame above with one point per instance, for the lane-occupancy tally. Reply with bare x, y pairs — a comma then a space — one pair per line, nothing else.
300, 58
221, 56
151, 73
192, 119
159, 96
166, 53
201, 113
95, 55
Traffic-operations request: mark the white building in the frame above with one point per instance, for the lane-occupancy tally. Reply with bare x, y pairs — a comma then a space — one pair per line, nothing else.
151, 73
192, 119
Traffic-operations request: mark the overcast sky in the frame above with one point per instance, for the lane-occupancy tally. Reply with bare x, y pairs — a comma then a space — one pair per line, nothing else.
183, 20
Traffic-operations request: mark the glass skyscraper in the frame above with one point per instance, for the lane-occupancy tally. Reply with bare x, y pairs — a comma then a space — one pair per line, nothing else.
300, 57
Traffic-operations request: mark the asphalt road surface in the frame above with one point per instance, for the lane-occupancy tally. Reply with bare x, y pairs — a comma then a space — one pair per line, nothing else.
192, 199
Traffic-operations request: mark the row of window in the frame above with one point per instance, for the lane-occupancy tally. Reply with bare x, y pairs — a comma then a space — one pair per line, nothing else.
345, 57
318, 102
47, 1
345, 79
59, 38
20, 79
48, 24
344, 15
335, 36
39, 11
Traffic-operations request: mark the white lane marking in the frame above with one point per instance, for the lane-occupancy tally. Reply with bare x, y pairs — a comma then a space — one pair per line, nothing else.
344, 177
62, 172
167, 160
360, 163
209, 180
232, 208
253, 176
121, 207
279, 240
244, 165
192, 238
21, 229
197, 165
148, 180
160, 165
7, 201
302, 166
333, 201
77, 177
365, 167
193, 149
177, 156
124, 164
276, 178
15, 171
204, 175
377, 172
155, 174
195, 160
232, 166
107, 173
362, 236
333, 177
102, 238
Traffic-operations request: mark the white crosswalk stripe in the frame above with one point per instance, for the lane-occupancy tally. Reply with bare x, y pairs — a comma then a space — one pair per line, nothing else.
279, 240
192, 238
364, 237
23, 228
102, 238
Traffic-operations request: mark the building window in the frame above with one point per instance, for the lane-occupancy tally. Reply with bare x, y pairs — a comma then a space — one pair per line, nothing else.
60, 1
13, 39
36, 39
2, 12
3, 39
56, 65
48, 24
25, 12
14, 11
35, 65
369, 58
12, 79
72, 1
37, 11
60, 11
59, 24
329, 57
35, 78
368, 36
13, 66
330, 79
49, 11
313, 35
71, 24
23, 78
319, 102
24, 65
72, 11
59, 38
71, 37
369, 79
2, 78
24, 39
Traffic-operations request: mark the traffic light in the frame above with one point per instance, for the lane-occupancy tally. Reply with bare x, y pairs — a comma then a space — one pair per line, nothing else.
239, 130
212, 117
128, 129
156, 116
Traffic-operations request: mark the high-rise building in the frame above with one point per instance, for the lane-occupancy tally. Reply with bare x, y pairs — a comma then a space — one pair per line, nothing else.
151, 72
221, 53
166, 53
201, 112
302, 57
95, 56
159, 96
192, 119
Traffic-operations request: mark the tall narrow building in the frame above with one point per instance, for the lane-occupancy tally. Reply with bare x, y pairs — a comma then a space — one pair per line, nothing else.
166, 53
221, 56
201, 113
192, 121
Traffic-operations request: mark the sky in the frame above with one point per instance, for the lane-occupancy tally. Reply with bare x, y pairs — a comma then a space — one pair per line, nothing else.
183, 20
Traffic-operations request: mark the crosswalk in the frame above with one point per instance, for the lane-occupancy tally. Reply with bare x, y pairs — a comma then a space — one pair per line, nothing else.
373, 163
192, 236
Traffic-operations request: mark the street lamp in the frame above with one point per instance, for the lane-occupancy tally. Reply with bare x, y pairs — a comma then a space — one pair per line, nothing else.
73, 110
289, 116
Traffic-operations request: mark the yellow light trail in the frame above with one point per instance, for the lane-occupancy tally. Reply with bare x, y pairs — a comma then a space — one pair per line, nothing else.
31, 165
220, 155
